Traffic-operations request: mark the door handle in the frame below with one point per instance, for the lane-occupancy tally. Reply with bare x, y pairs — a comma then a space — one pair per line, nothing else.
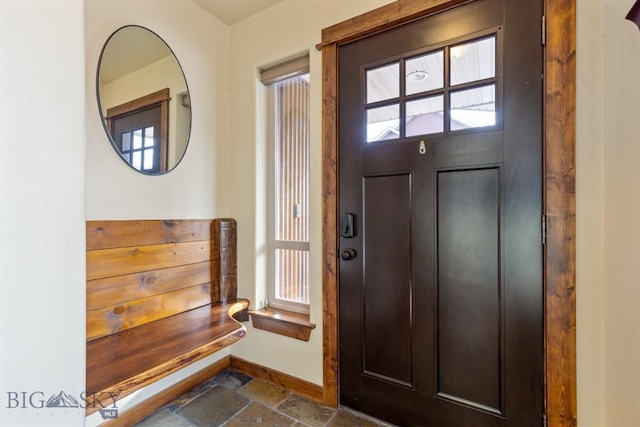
348, 254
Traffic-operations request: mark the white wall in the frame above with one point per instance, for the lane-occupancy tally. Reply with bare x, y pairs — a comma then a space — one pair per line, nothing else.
590, 214
608, 209
621, 114
42, 279
285, 30
199, 186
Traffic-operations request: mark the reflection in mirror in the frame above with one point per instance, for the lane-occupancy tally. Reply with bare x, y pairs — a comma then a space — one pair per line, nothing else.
144, 100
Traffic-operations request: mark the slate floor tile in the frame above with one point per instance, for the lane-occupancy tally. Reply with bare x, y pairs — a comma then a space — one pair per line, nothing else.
265, 393
154, 419
233, 399
257, 414
231, 379
347, 419
213, 407
305, 410
187, 397
164, 418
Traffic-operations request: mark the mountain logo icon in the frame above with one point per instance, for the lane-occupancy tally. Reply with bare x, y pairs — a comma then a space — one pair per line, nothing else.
62, 400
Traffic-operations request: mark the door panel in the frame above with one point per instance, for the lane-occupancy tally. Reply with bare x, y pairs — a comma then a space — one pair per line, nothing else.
469, 292
441, 310
387, 294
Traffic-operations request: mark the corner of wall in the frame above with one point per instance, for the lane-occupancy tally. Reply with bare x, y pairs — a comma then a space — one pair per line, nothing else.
590, 214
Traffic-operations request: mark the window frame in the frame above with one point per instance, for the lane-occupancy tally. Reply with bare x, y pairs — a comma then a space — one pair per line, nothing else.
271, 77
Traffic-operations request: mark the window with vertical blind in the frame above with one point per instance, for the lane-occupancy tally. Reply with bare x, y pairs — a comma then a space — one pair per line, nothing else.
288, 219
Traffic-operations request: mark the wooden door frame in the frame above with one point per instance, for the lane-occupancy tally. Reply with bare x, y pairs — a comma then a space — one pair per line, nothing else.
558, 180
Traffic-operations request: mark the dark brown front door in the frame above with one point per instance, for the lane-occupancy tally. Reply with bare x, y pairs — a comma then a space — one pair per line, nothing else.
441, 293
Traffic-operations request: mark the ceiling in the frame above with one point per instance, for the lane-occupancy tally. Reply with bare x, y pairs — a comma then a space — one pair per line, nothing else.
137, 48
232, 11
129, 49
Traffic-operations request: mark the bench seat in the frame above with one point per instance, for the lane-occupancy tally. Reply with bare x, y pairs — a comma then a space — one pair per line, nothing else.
139, 356
161, 294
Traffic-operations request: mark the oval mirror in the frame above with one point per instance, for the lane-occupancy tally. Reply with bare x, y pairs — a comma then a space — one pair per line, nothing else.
143, 100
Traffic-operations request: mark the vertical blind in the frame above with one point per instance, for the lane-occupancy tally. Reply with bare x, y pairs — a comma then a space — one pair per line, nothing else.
289, 99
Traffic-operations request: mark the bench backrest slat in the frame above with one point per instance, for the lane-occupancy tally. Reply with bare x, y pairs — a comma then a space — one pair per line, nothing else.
119, 234
114, 290
141, 271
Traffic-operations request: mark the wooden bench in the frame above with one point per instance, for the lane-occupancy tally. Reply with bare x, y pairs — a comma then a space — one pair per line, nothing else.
160, 295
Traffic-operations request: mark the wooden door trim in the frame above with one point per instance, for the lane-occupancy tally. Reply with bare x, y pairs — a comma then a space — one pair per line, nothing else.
559, 191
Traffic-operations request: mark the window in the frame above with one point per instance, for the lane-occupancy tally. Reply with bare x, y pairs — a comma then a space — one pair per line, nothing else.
453, 88
288, 219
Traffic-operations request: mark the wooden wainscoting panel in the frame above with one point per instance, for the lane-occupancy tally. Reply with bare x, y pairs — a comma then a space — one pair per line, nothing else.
120, 317
286, 381
168, 395
120, 261
118, 234
118, 289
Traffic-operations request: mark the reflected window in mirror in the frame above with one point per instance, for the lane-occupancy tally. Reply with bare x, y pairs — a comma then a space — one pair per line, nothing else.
141, 86
139, 131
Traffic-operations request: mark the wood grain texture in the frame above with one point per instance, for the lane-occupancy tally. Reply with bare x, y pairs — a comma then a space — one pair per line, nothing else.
560, 263
283, 322
136, 104
225, 262
329, 224
149, 294
119, 234
383, 18
114, 290
168, 395
135, 259
559, 191
132, 359
288, 382
126, 315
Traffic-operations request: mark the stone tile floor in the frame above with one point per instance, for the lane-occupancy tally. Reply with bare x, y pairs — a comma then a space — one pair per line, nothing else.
234, 399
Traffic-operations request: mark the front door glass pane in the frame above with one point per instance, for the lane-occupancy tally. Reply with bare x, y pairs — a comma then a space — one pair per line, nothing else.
383, 123
148, 137
473, 61
473, 108
425, 116
424, 73
383, 83
137, 139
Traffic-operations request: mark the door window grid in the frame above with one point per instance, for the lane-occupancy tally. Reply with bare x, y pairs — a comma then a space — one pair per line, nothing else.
158, 102
450, 89
138, 149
